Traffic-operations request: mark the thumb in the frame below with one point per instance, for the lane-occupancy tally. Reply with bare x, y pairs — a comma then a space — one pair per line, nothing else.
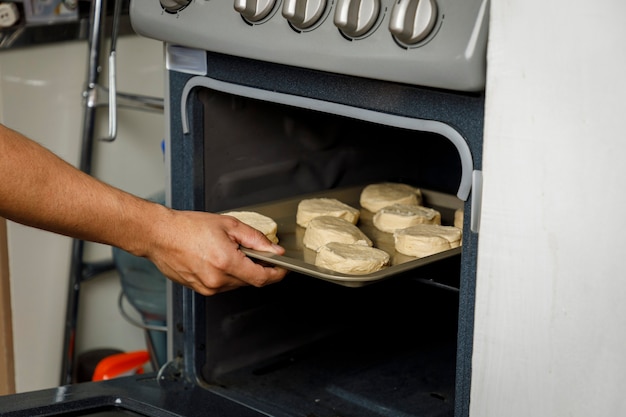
251, 238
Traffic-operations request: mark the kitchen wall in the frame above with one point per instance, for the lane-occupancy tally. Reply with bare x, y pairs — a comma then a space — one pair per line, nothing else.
41, 96
550, 312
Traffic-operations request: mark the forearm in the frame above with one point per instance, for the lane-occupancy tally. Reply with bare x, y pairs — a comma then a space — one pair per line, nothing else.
197, 249
41, 190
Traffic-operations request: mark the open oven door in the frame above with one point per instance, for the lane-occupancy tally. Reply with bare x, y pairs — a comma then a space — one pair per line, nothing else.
140, 395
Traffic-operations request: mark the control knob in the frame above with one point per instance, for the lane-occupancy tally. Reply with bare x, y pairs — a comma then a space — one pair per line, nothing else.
356, 17
303, 14
412, 20
173, 6
254, 10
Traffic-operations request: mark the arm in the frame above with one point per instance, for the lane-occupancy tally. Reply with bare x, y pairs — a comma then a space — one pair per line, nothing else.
196, 249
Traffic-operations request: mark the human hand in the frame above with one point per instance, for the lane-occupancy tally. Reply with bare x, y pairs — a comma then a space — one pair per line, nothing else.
201, 251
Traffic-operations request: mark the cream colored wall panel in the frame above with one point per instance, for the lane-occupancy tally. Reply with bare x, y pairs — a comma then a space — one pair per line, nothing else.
41, 98
550, 312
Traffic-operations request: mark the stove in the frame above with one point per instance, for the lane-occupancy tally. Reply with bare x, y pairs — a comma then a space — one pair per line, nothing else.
270, 101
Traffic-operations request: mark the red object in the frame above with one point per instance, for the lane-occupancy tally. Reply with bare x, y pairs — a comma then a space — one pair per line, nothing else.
121, 364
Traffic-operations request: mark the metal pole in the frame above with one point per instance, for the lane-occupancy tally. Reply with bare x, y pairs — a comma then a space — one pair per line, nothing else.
96, 23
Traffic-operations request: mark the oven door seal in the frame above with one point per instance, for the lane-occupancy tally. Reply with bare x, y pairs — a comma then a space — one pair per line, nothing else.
403, 122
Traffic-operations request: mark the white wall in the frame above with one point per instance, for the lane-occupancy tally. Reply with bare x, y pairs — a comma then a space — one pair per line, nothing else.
40, 95
550, 330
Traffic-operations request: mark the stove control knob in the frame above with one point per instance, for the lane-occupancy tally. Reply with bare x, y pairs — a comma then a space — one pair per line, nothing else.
356, 17
303, 14
173, 6
412, 20
254, 10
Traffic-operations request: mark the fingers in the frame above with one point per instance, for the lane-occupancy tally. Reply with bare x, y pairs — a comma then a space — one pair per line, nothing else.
202, 289
259, 275
248, 274
250, 271
237, 267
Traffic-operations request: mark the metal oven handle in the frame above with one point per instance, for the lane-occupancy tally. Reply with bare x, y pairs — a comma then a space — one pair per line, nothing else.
113, 75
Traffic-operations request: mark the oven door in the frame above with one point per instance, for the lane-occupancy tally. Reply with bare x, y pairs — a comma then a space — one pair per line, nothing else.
146, 395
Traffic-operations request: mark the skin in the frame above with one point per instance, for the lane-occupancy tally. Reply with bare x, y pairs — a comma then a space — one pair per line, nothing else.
196, 249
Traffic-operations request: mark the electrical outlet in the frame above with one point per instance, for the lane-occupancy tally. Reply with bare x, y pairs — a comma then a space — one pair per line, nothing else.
9, 15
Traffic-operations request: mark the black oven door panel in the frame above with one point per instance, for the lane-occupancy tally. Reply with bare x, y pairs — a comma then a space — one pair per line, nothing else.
149, 395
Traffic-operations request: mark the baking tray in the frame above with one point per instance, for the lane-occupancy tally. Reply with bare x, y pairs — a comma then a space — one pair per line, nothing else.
301, 259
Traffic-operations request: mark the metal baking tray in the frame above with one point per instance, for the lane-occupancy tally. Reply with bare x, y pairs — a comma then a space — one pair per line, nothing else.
301, 259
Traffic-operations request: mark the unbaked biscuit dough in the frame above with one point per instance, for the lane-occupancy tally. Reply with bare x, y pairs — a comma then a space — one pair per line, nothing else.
376, 196
260, 222
400, 216
311, 208
458, 218
351, 258
426, 239
325, 229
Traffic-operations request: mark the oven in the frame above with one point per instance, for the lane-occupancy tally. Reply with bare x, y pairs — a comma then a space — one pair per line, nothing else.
273, 101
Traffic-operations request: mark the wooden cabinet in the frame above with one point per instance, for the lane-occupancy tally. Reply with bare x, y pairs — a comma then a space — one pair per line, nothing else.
7, 373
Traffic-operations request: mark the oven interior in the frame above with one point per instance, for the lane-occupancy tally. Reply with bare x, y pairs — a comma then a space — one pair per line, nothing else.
259, 151
305, 346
